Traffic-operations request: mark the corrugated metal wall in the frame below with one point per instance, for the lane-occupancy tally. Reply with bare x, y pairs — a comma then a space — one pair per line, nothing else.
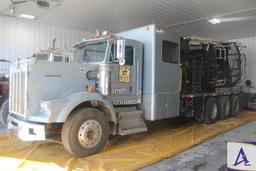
250, 52
21, 38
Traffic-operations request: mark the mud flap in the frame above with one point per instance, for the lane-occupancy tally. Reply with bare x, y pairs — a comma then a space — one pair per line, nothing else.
131, 122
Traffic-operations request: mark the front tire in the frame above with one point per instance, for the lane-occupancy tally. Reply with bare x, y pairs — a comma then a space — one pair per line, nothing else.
85, 132
210, 110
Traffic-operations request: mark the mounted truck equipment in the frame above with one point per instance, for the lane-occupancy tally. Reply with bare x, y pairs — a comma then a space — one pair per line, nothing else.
212, 71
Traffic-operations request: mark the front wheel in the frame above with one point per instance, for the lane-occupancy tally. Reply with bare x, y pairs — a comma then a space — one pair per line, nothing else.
85, 132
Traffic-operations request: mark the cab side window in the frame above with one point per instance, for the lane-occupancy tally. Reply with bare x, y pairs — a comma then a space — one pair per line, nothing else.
129, 54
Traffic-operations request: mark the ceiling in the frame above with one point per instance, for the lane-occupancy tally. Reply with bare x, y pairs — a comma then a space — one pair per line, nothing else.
185, 16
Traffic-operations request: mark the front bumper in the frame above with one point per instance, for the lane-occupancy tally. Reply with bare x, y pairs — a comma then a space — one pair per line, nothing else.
24, 130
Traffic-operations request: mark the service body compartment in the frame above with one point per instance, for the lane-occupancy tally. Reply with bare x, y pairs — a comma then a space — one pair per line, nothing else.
161, 71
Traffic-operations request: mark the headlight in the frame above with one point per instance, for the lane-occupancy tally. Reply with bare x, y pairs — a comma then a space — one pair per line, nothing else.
91, 75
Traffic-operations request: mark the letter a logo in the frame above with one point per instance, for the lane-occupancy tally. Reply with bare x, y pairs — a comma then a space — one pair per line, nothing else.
241, 158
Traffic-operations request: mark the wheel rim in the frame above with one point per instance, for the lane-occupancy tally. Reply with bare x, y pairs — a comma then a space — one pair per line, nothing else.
214, 111
89, 133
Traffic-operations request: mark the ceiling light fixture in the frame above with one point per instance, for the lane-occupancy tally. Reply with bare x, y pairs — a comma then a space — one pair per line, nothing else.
214, 21
27, 16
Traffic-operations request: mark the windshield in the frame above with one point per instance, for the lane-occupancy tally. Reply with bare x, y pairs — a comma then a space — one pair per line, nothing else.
94, 52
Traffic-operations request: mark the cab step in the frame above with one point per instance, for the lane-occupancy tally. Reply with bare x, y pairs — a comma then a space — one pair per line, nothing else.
131, 122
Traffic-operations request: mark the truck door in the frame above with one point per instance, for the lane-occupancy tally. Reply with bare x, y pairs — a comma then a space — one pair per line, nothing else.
126, 79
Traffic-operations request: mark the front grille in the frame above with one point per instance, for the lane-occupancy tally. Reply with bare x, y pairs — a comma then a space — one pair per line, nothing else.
18, 89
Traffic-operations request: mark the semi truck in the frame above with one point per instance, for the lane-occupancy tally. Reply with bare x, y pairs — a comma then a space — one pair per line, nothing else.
117, 82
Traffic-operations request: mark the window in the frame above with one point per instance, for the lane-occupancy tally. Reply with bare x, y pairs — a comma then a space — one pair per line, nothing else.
220, 53
58, 58
91, 52
128, 54
170, 52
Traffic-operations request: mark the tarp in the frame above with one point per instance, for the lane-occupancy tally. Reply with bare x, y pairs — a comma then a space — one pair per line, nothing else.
122, 153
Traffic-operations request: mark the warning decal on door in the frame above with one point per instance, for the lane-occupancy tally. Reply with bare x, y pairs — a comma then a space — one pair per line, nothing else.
124, 74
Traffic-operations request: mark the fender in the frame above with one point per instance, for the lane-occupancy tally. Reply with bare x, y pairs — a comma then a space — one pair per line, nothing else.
74, 99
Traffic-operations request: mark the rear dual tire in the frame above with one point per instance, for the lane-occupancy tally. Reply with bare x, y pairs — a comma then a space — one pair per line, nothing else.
235, 105
210, 110
222, 108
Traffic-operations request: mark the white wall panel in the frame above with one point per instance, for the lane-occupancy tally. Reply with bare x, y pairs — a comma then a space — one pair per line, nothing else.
22, 38
250, 52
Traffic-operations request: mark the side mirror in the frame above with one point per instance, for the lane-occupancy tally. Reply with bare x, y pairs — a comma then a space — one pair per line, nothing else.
120, 54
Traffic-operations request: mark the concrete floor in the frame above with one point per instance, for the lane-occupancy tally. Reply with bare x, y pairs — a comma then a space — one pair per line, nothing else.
208, 156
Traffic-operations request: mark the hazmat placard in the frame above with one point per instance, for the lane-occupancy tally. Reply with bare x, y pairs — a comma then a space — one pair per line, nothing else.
124, 73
